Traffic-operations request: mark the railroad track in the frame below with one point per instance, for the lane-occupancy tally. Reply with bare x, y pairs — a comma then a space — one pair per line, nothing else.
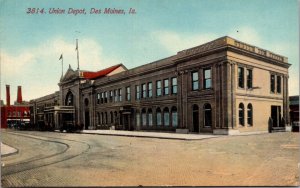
73, 149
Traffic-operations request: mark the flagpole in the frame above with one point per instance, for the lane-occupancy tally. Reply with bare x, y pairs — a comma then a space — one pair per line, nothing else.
77, 54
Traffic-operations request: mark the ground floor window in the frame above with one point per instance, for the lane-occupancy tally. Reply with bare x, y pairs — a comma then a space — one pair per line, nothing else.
250, 115
158, 117
144, 117
166, 117
174, 117
207, 115
241, 114
150, 121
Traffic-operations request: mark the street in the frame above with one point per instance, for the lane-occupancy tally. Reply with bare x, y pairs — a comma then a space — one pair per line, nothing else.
64, 159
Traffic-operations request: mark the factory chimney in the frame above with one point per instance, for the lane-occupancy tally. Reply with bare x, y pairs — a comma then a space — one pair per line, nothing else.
7, 95
19, 97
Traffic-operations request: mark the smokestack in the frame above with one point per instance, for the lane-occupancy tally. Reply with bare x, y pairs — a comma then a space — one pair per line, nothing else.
19, 97
7, 95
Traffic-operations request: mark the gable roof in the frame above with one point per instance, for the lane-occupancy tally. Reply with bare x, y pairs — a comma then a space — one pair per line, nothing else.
101, 73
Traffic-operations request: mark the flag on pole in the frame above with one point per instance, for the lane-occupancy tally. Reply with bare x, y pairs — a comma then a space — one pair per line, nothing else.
61, 56
76, 45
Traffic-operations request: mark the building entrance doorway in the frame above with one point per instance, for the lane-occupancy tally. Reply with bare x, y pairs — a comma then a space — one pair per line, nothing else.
276, 115
196, 118
87, 120
126, 122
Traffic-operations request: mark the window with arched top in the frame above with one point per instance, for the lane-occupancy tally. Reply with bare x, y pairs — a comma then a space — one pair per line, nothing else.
166, 117
207, 115
249, 114
241, 114
150, 115
69, 101
144, 117
174, 116
158, 117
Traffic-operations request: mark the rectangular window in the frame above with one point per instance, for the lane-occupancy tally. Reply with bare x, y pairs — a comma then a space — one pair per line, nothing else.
174, 85
105, 97
249, 79
272, 81
144, 91
120, 95
158, 118
195, 80
278, 84
207, 78
128, 93
102, 97
98, 98
111, 96
137, 92
116, 95
241, 77
166, 87
158, 88
150, 89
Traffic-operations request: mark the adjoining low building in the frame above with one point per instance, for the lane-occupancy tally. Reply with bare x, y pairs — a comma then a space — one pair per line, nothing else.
16, 115
224, 86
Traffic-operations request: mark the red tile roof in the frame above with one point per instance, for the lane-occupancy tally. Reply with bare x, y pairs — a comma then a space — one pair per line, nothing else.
101, 73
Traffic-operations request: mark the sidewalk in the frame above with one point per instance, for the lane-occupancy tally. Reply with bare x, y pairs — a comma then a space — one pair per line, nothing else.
7, 150
177, 136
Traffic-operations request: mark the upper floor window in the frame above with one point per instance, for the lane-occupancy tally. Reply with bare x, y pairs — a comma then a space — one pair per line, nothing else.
207, 78
111, 95
241, 77
137, 92
249, 79
195, 80
144, 91
102, 97
174, 85
166, 87
105, 96
158, 88
98, 98
278, 84
128, 93
116, 95
120, 94
150, 89
272, 81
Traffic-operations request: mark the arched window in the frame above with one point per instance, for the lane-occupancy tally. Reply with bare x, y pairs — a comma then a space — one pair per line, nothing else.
105, 119
158, 117
207, 115
166, 117
111, 117
241, 114
98, 117
150, 121
250, 114
116, 118
69, 99
138, 119
144, 117
174, 116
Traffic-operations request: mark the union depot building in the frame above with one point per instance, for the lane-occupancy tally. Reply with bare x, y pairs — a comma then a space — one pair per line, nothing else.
223, 87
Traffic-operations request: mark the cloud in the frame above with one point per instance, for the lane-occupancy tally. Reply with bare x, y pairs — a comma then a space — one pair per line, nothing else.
174, 42
38, 69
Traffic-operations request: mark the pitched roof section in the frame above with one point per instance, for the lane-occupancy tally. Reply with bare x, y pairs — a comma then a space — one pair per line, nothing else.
101, 73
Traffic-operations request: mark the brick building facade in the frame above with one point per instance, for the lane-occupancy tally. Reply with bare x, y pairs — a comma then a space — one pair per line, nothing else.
223, 86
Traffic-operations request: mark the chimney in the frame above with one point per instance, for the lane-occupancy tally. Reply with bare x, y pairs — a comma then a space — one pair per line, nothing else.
19, 97
7, 95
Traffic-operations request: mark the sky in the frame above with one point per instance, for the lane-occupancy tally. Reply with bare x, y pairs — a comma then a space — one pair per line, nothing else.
31, 43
